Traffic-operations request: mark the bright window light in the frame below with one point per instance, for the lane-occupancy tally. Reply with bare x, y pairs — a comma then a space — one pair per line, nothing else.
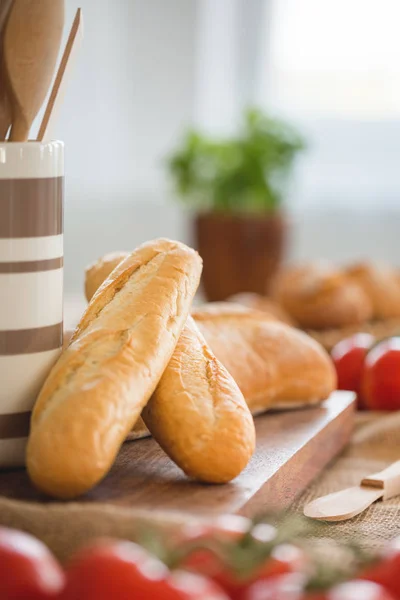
335, 56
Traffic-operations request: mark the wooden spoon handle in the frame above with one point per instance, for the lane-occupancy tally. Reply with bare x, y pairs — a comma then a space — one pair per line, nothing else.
387, 480
57, 93
5, 107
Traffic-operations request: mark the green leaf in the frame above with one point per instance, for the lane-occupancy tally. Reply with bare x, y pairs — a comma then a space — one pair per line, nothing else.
243, 174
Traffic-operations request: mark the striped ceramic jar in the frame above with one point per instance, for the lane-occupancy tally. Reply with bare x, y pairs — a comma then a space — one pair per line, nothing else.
31, 282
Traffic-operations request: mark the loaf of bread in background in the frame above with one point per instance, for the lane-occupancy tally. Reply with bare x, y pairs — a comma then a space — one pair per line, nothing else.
382, 286
118, 353
198, 414
98, 271
321, 297
264, 304
274, 365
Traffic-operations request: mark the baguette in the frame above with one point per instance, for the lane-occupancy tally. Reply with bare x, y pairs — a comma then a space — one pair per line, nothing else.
99, 386
198, 415
95, 274
274, 365
139, 430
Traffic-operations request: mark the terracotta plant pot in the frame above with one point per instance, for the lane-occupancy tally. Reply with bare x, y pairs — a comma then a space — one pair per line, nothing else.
240, 253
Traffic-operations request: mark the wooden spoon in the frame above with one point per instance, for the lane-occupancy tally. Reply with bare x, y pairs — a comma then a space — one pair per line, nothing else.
31, 44
5, 108
58, 90
348, 503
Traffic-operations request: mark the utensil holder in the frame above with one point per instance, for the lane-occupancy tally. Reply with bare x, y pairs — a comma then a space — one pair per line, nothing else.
31, 283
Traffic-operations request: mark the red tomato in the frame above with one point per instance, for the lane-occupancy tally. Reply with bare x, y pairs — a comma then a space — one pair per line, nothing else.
349, 357
283, 559
124, 571
28, 571
381, 378
387, 571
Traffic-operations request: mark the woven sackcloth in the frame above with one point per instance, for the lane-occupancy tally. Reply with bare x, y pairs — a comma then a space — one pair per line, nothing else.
375, 444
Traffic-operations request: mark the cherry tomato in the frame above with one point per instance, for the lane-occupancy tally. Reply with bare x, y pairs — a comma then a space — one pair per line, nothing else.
28, 571
283, 559
349, 357
381, 378
387, 571
124, 571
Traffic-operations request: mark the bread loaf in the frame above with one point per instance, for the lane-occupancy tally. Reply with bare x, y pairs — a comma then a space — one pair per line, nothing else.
382, 286
319, 296
118, 353
263, 304
274, 365
198, 414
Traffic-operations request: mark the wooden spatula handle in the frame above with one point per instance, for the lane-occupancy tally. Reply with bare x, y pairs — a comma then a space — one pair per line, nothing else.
388, 480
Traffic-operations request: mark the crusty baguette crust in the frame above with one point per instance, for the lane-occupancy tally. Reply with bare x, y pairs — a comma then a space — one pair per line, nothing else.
273, 364
98, 271
97, 389
139, 430
198, 415
321, 297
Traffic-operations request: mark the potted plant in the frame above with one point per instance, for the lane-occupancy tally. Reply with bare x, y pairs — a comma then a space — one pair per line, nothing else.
236, 187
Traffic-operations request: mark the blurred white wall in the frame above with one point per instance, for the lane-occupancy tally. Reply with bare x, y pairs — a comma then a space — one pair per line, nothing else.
148, 68
130, 94
131, 88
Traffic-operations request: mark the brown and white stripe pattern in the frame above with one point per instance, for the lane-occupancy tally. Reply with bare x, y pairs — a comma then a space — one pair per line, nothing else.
31, 285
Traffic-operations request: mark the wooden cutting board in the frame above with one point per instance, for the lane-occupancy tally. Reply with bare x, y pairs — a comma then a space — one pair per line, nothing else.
292, 449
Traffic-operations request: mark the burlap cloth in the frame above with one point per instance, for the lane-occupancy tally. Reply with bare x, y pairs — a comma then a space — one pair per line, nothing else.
375, 444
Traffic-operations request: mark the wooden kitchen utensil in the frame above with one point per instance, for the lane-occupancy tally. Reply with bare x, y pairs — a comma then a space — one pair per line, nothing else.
32, 40
352, 501
5, 108
57, 93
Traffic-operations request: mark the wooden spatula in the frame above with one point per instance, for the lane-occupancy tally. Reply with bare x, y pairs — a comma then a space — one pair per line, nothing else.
5, 108
31, 44
58, 90
352, 501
